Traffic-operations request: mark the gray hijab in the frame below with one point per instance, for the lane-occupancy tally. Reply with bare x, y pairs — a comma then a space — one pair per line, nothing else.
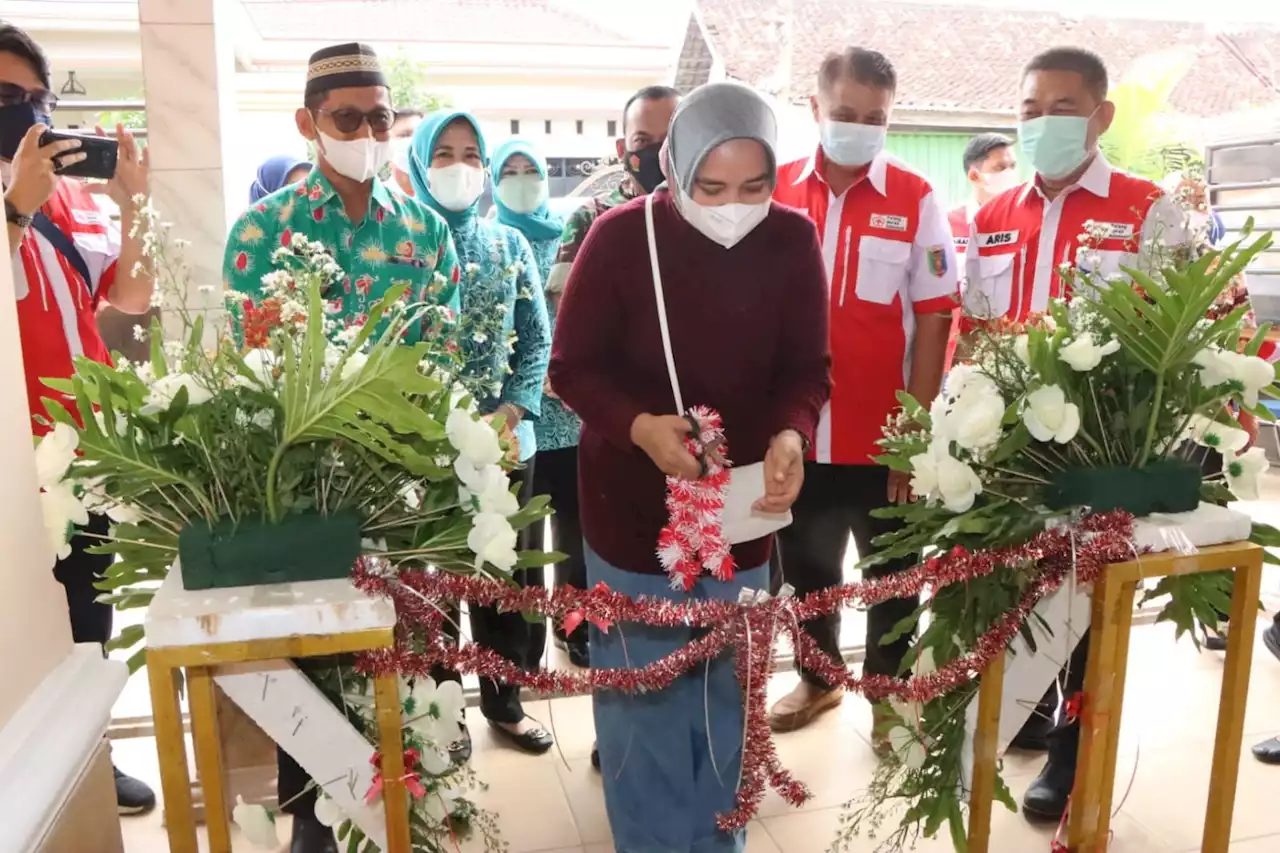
710, 116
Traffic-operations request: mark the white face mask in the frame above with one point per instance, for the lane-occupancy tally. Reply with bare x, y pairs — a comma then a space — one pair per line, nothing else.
850, 144
357, 159
456, 187
523, 193
725, 224
997, 182
400, 149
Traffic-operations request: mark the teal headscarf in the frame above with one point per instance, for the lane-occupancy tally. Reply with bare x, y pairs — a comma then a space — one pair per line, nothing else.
541, 224
420, 151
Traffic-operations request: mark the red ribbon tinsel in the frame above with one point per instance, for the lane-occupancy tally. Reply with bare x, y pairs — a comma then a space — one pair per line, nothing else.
422, 598
693, 539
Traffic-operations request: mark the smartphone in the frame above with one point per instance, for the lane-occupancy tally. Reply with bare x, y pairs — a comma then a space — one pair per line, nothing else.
100, 155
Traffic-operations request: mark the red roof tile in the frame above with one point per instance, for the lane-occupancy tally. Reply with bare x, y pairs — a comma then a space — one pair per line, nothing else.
451, 21
969, 57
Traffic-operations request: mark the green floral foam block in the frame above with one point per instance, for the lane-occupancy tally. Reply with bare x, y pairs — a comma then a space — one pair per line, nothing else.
302, 547
1168, 485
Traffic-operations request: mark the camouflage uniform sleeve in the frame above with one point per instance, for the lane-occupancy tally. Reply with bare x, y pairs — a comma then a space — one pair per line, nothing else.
575, 232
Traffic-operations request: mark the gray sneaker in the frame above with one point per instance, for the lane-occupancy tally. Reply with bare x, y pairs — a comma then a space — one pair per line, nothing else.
132, 795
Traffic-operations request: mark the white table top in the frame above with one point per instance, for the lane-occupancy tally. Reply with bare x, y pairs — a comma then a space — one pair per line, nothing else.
180, 617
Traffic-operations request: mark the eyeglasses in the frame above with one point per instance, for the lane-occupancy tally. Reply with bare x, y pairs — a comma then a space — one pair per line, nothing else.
349, 119
11, 95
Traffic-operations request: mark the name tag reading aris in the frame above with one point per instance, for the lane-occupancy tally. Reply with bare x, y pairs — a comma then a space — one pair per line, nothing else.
997, 238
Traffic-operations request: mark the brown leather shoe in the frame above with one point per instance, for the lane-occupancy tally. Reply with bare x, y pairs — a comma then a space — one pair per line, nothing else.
802, 706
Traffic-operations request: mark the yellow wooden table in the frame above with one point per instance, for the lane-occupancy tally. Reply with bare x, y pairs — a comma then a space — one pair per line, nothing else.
198, 632
1089, 824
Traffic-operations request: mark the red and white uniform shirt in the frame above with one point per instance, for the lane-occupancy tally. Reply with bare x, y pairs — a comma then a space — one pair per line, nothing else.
57, 308
889, 258
1020, 240
959, 219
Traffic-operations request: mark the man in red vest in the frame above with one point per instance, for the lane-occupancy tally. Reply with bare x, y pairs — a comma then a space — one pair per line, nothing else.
1022, 239
893, 288
992, 168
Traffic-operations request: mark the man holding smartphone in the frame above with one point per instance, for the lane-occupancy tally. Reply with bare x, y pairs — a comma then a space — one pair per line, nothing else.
68, 258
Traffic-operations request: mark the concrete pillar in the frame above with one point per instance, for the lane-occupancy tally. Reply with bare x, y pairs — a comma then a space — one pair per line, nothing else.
188, 69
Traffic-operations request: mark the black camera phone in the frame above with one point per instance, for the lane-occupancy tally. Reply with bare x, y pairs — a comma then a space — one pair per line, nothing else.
100, 153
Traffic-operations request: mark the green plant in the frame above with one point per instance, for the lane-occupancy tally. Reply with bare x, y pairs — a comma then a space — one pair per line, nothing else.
407, 78
1148, 137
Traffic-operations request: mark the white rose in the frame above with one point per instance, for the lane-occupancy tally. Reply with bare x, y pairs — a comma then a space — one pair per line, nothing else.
355, 363
1082, 354
1244, 471
1223, 438
938, 476
327, 811
475, 440
55, 453
974, 417
1022, 349
60, 509
1049, 417
256, 824
262, 364
164, 390
493, 540
907, 746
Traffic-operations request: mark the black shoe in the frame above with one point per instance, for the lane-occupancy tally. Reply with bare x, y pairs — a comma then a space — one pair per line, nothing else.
460, 749
1047, 797
1034, 734
535, 741
1271, 639
576, 650
132, 796
1216, 642
595, 757
1268, 752
311, 836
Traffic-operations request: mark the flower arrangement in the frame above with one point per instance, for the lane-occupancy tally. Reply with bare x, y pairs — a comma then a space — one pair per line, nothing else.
1092, 406
365, 435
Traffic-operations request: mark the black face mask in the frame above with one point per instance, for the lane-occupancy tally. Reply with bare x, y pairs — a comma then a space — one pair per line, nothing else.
644, 165
15, 121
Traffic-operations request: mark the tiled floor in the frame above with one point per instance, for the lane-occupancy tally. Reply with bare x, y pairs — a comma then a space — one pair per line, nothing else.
554, 804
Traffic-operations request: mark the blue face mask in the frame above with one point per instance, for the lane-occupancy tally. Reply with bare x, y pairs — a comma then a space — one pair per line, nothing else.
849, 144
1055, 146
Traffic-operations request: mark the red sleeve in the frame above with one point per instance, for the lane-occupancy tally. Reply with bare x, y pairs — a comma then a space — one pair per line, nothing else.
803, 377
589, 326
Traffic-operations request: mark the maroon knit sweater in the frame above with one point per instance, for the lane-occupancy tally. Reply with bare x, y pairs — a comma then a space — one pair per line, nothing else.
749, 335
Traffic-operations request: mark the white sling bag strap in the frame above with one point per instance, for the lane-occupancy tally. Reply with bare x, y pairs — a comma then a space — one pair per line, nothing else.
746, 484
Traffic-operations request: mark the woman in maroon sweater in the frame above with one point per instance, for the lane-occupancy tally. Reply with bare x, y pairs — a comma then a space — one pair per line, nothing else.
745, 293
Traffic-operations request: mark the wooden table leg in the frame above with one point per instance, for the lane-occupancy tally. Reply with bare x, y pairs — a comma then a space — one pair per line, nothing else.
1235, 694
175, 779
1123, 614
208, 748
386, 693
1100, 687
986, 754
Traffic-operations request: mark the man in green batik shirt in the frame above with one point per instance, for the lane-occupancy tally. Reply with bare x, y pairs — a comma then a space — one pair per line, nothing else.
380, 238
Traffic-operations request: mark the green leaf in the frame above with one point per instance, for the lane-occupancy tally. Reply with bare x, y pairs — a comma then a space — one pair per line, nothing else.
128, 637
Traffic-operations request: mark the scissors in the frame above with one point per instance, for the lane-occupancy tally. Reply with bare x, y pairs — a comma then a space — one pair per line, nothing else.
709, 451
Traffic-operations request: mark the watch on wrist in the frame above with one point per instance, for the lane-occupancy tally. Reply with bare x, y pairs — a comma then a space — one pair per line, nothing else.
11, 214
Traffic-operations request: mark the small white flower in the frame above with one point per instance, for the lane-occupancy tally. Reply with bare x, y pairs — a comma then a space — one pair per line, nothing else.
1049, 417
55, 453
327, 811
139, 333
938, 476
256, 824
1244, 471
493, 540
1081, 354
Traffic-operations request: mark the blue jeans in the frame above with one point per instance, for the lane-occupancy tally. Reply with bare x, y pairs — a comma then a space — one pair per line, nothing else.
669, 759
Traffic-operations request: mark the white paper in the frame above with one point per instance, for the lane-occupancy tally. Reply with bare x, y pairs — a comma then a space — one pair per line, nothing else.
741, 522
296, 715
